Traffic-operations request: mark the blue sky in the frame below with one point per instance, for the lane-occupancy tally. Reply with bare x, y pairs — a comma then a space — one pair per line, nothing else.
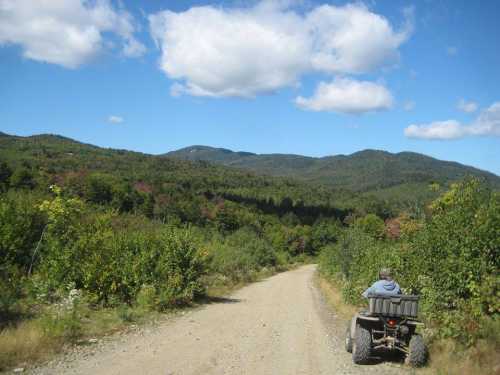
311, 78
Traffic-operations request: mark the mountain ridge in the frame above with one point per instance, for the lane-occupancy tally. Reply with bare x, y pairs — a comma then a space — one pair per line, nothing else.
363, 170
401, 176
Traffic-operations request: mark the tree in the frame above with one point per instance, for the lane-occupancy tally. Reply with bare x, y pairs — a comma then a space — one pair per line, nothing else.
22, 178
5, 173
98, 189
372, 225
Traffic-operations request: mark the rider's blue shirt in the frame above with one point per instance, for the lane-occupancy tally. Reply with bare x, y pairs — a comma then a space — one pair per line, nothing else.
387, 287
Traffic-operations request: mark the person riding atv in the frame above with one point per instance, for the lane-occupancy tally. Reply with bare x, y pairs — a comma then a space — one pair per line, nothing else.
385, 284
389, 324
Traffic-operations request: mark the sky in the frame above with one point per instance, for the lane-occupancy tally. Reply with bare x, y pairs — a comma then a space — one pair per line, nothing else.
305, 77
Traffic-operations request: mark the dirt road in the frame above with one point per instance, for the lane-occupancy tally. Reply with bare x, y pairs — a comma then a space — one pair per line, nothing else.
278, 326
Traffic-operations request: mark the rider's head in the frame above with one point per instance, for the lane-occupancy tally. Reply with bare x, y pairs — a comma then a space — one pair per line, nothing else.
385, 274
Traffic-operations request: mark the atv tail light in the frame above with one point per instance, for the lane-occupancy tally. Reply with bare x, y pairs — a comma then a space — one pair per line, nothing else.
391, 322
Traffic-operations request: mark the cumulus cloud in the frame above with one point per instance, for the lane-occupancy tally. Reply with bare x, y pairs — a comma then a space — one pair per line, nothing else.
467, 107
115, 119
347, 96
486, 124
66, 32
219, 52
450, 129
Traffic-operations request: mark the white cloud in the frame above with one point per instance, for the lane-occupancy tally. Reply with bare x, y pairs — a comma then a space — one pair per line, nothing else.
66, 32
486, 124
115, 119
409, 105
217, 52
347, 96
467, 107
450, 129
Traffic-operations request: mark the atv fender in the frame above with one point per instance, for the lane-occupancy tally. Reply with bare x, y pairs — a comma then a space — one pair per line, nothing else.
361, 318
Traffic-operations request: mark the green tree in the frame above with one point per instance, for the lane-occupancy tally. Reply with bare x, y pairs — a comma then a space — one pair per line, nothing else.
372, 225
22, 178
99, 189
5, 173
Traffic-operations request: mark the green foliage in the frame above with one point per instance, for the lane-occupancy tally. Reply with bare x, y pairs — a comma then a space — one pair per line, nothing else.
458, 258
11, 290
5, 173
174, 267
325, 232
373, 171
99, 189
21, 226
372, 225
452, 260
22, 178
112, 264
241, 254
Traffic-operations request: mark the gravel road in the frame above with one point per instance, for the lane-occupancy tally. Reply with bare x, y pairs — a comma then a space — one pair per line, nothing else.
278, 326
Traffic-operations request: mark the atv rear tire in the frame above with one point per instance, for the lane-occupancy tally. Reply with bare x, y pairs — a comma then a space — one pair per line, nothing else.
348, 340
362, 347
417, 353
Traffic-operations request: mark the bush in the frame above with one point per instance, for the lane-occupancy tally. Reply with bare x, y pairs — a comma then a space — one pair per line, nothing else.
173, 267
372, 225
241, 254
111, 263
11, 283
21, 226
456, 258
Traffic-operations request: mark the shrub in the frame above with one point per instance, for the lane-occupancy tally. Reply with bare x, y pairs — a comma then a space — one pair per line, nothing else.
21, 226
174, 267
372, 225
242, 253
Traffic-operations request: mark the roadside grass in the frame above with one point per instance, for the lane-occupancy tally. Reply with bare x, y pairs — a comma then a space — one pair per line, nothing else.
37, 340
447, 357
450, 358
333, 296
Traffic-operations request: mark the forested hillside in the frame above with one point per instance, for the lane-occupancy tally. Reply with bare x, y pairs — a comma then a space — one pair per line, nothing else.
370, 171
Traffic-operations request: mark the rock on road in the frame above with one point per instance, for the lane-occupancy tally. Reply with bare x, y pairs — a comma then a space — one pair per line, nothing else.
277, 326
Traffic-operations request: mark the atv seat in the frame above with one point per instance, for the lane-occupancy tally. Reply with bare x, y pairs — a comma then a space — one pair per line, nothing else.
399, 305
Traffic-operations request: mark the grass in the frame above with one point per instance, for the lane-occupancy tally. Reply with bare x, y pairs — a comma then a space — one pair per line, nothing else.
447, 357
450, 358
33, 341
333, 297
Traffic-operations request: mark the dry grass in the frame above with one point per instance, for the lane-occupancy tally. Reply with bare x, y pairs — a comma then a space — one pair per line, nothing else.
39, 339
449, 358
333, 296
26, 343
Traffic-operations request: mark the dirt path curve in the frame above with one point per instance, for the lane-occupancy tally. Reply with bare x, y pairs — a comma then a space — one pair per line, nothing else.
278, 326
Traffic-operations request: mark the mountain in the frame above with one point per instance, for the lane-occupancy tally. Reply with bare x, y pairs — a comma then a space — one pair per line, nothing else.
55, 159
363, 171
366, 179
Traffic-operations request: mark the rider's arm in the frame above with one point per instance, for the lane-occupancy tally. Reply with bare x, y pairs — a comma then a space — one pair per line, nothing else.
371, 289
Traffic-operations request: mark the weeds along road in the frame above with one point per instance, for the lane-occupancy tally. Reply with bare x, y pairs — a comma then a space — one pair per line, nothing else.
278, 326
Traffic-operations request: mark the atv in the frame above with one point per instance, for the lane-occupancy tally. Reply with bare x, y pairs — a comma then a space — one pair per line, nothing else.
389, 324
